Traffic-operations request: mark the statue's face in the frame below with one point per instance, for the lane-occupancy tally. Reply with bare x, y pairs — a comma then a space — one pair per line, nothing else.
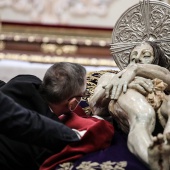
142, 53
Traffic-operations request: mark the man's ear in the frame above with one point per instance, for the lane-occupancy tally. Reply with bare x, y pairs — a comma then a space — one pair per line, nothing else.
72, 104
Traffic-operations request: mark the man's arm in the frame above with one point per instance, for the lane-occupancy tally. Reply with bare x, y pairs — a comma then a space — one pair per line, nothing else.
30, 127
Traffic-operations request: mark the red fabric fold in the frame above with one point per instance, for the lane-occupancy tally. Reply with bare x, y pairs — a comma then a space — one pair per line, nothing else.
98, 136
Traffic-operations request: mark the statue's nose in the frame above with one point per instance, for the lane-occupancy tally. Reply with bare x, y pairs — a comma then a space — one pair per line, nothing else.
137, 59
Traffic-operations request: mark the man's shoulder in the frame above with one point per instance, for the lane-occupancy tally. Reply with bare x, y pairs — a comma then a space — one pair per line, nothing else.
22, 84
24, 89
26, 78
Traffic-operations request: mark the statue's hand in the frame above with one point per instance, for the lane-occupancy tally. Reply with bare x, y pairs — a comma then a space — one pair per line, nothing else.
119, 82
142, 85
116, 86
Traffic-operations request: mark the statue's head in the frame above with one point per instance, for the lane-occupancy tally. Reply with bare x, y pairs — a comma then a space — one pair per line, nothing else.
142, 54
148, 52
138, 25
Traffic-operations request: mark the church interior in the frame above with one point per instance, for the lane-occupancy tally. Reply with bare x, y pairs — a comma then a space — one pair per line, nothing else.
35, 35
99, 35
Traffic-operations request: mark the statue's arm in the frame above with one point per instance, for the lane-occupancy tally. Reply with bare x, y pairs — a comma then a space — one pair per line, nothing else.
149, 71
121, 81
98, 101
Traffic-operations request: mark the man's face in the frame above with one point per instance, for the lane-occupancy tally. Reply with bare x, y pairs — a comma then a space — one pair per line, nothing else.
142, 54
70, 104
75, 100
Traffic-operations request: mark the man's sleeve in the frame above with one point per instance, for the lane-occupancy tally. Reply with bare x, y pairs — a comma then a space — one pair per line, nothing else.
27, 126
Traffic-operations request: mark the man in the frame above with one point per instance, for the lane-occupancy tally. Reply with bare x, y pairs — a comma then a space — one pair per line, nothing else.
57, 95
62, 82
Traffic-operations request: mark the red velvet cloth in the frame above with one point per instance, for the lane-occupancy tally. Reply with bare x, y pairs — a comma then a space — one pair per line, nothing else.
98, 136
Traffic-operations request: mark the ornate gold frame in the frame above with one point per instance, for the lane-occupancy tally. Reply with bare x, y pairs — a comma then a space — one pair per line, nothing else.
49, 44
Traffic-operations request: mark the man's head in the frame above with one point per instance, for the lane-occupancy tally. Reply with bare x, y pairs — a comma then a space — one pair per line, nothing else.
63, 86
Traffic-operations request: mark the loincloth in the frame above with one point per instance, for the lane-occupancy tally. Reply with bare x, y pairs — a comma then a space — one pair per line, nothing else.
156, 97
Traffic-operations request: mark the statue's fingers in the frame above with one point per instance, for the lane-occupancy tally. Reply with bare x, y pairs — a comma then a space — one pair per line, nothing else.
118, 92
107, 90
150, 85
113, 92
138, 88
145, 86
125, 87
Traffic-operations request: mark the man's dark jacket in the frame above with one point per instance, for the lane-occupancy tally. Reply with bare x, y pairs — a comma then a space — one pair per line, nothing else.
27, 127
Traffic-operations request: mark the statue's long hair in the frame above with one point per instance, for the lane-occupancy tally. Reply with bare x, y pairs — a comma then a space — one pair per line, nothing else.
160, 58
